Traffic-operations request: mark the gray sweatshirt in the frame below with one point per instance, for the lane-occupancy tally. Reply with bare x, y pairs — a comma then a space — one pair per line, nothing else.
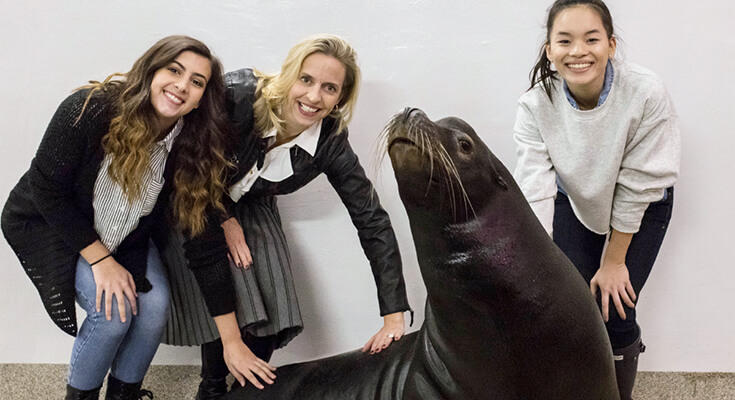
612, 161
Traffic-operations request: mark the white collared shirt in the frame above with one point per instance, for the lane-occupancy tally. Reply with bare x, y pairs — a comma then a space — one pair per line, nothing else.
114, 216
277, 162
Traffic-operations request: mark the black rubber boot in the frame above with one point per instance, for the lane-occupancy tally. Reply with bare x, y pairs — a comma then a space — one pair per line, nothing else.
211, 388
214, 372
76, 394
626, 367
119, 390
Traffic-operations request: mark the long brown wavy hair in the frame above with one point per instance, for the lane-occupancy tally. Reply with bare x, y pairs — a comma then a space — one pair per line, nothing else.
199, 148
272, 91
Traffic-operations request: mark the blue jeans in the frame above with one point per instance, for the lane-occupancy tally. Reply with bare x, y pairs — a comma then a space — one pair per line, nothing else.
584, 248
126, 349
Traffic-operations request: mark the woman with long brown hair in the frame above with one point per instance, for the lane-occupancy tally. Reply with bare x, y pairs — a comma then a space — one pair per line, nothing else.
80, 219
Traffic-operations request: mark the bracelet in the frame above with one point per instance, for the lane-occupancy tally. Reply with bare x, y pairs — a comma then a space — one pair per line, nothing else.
96, 262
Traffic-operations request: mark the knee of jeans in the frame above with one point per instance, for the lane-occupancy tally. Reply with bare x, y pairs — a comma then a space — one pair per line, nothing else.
114, 327
115, 308
155, 306
622, 332
161, 299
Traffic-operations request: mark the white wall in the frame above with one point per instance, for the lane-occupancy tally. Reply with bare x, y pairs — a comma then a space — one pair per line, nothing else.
470, 59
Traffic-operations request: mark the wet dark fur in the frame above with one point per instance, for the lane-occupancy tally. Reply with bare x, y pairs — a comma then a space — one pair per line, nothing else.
507, 315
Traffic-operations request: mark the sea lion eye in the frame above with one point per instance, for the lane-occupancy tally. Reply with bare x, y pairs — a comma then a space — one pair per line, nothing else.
465, 145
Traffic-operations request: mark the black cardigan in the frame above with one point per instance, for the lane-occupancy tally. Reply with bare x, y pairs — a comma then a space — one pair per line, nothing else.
334, 157
49, 216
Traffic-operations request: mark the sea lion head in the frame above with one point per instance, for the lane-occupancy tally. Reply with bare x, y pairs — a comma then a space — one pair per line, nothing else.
467, 215
442, 167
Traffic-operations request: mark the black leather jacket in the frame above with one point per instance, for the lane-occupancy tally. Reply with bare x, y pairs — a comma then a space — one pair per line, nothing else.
334, 157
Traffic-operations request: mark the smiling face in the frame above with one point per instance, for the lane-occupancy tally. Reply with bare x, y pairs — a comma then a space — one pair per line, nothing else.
314, 94
579, 48
177, 88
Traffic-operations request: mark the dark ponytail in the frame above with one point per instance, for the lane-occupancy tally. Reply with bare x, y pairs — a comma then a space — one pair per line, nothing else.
542, 72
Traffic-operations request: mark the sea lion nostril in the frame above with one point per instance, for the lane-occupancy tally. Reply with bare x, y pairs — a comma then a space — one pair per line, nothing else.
411, 111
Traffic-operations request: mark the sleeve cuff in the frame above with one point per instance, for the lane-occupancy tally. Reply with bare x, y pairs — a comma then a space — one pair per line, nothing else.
544, 210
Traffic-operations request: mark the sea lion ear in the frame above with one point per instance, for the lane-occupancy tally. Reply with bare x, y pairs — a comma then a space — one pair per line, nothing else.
500, 181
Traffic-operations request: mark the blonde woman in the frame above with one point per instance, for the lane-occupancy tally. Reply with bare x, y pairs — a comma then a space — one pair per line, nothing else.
291, 127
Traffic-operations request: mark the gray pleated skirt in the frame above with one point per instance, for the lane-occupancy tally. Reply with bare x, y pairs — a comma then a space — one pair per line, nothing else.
266, 296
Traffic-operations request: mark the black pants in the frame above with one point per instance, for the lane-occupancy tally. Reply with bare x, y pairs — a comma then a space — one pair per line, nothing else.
213, 361
584, 248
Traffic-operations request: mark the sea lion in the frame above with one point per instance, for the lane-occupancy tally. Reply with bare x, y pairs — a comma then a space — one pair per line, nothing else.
507, 314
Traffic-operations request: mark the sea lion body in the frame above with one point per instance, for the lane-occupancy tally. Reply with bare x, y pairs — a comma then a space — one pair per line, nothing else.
507, 314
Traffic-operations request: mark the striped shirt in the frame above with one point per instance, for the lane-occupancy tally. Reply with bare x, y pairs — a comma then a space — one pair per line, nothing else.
114, 216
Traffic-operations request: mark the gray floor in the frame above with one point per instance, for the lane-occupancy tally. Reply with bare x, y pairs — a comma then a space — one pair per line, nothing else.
44, 381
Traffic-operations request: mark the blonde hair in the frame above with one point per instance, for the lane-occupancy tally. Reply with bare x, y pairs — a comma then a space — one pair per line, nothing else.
272, 91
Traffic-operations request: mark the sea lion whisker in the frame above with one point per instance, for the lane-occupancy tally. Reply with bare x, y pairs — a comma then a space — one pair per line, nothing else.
449, 177
384, 139
452, 177
459, 182
465, 197
380, 150
428, 149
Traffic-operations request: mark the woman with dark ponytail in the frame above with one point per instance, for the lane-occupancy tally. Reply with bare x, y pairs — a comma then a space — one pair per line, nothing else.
80, 219
598, 155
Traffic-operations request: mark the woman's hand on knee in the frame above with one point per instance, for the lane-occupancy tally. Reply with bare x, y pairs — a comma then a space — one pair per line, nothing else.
113, 279
239, 250
243, 364
613, 282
